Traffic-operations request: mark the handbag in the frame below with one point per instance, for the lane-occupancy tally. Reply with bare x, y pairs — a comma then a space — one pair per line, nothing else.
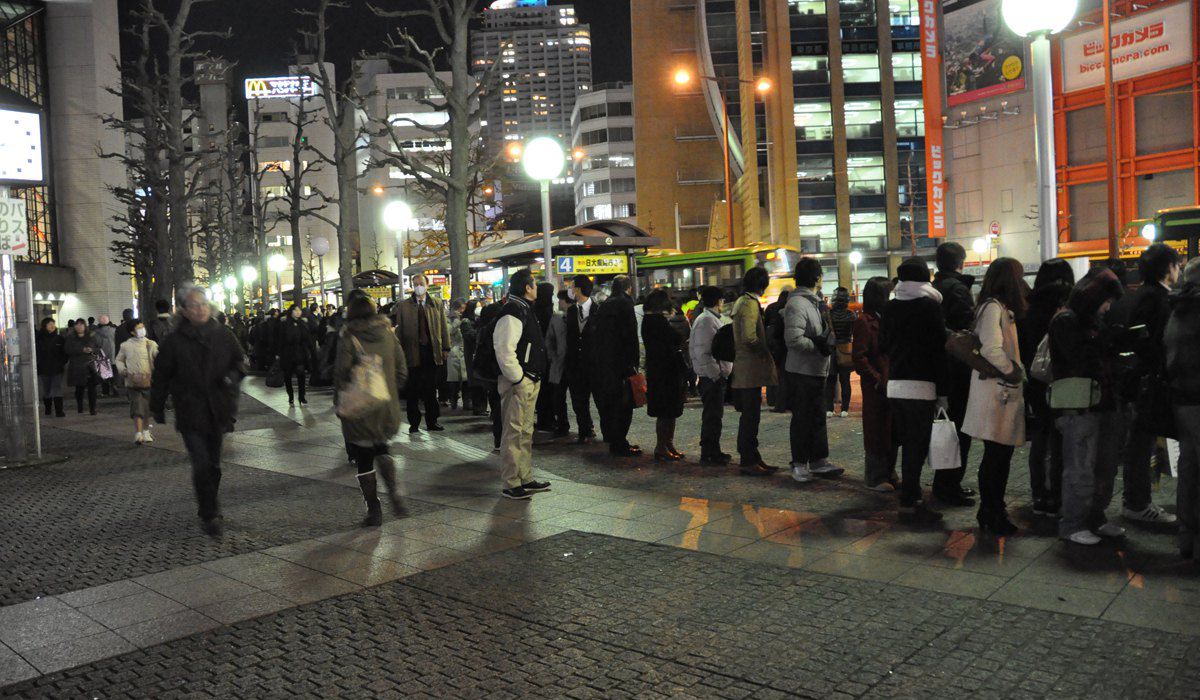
275, 375
943, 443
141, 380
637, 385
1041, 369
1074, 394
367, 389
102, 365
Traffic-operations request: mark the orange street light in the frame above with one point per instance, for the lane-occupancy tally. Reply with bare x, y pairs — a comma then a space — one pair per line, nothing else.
377, 189
682, 77
763, 85
515, 150
578, 154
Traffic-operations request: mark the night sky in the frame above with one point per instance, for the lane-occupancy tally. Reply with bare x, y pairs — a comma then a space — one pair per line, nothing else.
264, 32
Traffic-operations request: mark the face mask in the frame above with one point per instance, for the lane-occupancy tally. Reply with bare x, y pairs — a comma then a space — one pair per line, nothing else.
420, 290
141, 332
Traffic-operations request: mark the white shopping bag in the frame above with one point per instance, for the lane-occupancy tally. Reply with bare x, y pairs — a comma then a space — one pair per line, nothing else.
1173, 456
943, 443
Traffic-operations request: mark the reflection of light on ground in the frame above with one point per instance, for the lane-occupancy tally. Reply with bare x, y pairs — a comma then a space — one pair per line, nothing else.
698, 508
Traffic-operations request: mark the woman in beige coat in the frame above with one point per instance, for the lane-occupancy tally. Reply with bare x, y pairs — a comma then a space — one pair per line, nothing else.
135, 364
996, 407
753, 368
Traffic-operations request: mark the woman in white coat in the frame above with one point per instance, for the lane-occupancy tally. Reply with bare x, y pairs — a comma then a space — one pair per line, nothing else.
135, 363
996, 407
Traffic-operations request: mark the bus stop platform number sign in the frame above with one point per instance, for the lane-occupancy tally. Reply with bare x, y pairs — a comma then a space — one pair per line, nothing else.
14, 229
592, 264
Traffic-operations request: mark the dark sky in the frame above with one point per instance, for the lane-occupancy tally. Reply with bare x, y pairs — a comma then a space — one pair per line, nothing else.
264, 32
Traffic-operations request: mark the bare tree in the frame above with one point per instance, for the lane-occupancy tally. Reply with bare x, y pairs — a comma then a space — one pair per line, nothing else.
260, 206
464, 99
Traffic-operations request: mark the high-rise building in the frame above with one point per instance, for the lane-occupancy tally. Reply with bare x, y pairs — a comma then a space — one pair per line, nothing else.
602, 154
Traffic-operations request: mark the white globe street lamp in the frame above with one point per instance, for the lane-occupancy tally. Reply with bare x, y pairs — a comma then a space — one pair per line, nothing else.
249, 275
230, 283
320, 248
544, 160
398, 217
980, 246
855, 259
1039, 19
277, 264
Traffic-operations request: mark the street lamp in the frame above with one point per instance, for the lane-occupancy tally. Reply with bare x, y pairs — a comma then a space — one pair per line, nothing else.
278, 264
320, 247
249, 277
856, 259
1038, 19
543, 161
398, 217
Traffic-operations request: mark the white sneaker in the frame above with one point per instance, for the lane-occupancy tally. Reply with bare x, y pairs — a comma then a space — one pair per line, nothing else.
147, 437
1152, 514
1084, 537
138, 439
845, 414
829, 414
1110, 530
801, 474
826, 468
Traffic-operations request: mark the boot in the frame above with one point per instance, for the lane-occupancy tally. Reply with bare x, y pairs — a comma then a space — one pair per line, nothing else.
368, 485
48, 405
58, 408
385, 466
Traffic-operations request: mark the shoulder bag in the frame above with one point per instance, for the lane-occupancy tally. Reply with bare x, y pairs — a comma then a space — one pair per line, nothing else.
140, 381
367, 390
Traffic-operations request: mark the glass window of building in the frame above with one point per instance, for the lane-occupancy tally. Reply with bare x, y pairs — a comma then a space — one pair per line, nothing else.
865, 173
814, 120
818, 233
1089, 211
1085, 136
860, 67
904, 13
1159, 118
810, 70
812, 170
906, 66
868, 229
808, 13
857, 13
620, 160
910, 118
863, 119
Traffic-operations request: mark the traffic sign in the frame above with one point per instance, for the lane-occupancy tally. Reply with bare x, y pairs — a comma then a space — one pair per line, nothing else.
994, 229
14, 227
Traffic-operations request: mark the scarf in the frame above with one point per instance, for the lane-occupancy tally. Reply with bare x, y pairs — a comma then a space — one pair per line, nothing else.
908, 291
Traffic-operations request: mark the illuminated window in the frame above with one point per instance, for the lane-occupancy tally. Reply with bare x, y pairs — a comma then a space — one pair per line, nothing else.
868, 230
860, 68
863, 119
910, 118
814, 120
865, 174
906, 66
808, 7
810, 70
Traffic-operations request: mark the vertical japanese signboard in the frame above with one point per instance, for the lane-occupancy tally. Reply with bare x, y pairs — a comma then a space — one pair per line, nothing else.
931, 91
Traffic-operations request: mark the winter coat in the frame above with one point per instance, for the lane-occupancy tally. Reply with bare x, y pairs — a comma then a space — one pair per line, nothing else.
1182, 338
803, 321
456, 365
295, 345
958, 304
704, 328
408, 329
79, 360
556, 347
1044, 302
136, 356
616, 338
753, 366
201, 369
912, 334
1077, 350
51, 353
996, 407
106, 338
869, 360
159, 328
375, 336
666, 372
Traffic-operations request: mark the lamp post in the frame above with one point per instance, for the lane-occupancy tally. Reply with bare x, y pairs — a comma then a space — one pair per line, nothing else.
231, 284
249, 276
398, 217
278, 264
544, 160
856, 259
320, 247
1038, 19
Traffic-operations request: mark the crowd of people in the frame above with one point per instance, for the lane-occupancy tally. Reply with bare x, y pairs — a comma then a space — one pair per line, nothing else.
1092, 373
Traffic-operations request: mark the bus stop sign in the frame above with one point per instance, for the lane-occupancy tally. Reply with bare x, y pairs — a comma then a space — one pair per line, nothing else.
593, 264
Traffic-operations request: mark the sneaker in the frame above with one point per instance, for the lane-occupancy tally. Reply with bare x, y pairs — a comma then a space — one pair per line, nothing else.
517, 493
827, 469
1152, 514
845, 414
829, 414
1110, 530
138, 439
1084, 537
536, 486
801, 473
147, 437
883, 487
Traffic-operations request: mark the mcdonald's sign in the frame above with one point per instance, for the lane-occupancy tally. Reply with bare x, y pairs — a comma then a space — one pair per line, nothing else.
281, 87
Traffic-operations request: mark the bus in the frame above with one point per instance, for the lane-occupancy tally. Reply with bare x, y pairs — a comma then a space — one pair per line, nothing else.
1178, 227
681, 273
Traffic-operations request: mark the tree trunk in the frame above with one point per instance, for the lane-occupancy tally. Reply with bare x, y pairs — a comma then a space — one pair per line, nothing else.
297, 251
460, 163
177, 180
347, 182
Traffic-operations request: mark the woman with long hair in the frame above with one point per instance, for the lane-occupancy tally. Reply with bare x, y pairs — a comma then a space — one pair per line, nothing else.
666, 373
872, 367
996, 406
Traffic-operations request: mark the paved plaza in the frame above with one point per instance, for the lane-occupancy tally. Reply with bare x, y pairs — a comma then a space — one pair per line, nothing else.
630, 578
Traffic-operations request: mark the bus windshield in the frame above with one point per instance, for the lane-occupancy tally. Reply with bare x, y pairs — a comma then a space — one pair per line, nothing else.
779, 263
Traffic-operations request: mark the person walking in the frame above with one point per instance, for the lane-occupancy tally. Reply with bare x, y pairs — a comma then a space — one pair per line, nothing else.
135, 362
82, 351
810, 343
163, 323
106, 342
618, 356
1182, 337
841, 362
581, 348
958, 308
296, 351
913, 337
872, 366
666, 373
1091, 435
1051, 288
713, 375
521, 356
556, 350
753, 368
996, 406
456, 363
425, 337
367, 334
200, 366
50, 347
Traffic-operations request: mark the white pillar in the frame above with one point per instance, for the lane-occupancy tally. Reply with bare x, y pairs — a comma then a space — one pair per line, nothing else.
1043, 124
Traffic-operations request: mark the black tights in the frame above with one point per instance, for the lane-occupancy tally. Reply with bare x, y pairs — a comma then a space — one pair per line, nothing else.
364, 456
287, 383
664, 429
993, 477
90, 388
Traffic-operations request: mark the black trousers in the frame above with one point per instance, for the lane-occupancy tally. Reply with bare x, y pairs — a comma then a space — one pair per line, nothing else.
807, 432
839, 377
712, 396
580, 385
949, 481
993, 476
1045, 460
422, 389
301, 378
204, 451
90, 389
494, 405
616, 412
749, 402
560, 422
912, 420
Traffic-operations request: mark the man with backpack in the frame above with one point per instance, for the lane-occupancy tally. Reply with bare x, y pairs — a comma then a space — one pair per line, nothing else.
713, 374
521, 359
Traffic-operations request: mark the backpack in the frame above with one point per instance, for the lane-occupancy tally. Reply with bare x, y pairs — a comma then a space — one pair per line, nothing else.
484, 366
723, 349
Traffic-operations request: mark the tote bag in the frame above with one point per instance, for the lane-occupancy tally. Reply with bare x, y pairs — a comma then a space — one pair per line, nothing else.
943, 443
367, 390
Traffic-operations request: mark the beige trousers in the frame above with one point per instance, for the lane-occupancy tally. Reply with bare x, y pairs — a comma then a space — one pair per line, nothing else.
517, 406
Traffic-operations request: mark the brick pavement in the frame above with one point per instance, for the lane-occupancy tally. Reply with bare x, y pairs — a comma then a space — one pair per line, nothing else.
580, 615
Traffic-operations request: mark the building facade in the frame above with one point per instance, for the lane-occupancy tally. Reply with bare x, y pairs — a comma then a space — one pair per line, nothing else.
602, 154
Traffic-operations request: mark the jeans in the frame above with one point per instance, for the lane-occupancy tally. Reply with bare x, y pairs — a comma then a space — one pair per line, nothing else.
838, 377
519, 405
50, 386
581, 403
749, 401
1045, 461
712, 397
993, 477
879, 443
422, 389
1091, 447
807, 432
913, 421
204, 451
497, 411
1139, 447
1187, 496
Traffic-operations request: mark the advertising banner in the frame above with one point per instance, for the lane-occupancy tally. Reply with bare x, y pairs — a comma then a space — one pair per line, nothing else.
983, 58
280, 87
931, 92
1144, 43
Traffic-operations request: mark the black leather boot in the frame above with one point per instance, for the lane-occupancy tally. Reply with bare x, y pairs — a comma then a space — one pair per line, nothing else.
367, 483
385, 466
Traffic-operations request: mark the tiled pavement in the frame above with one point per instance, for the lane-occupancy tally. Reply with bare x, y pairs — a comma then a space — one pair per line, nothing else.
289, 551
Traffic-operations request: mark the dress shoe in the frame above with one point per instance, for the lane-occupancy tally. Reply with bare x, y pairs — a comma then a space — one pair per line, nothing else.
585, 439
436, 428
414, 429
759, 469
995, 524
627, 451
954, 499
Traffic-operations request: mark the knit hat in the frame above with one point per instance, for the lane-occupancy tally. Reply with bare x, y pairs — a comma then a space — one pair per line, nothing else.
913, 270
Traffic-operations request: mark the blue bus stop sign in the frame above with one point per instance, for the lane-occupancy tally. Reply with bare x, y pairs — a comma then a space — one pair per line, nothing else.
566, 265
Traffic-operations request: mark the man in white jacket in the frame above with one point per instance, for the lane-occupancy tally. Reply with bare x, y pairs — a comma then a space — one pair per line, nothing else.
521, 356
713, 375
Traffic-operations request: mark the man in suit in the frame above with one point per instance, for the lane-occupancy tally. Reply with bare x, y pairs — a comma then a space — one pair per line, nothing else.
616, 360
580, 349
425, 337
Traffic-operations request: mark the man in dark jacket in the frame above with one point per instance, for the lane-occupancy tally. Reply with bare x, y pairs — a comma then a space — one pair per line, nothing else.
162, 324
1148, 305
425, 336
580, 349
617, 359
958, 308
201, 366
1181, 339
